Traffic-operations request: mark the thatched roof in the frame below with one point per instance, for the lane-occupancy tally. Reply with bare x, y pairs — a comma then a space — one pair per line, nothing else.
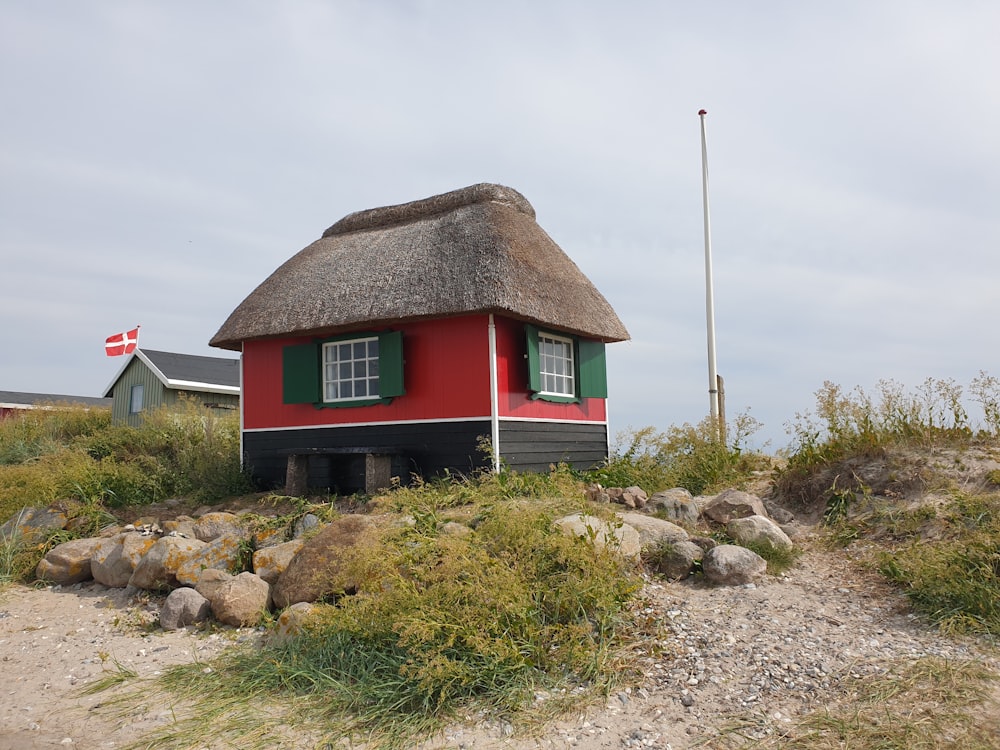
474, 250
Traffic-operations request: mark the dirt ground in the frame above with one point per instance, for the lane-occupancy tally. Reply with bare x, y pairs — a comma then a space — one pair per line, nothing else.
762, 654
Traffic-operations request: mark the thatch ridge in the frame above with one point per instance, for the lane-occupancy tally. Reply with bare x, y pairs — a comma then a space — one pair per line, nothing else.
474, 250
483, 192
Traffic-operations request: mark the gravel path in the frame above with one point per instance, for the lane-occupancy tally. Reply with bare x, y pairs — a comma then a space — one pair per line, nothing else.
765, 654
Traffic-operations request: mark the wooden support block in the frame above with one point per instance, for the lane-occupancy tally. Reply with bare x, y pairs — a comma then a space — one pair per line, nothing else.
297, 475
378, 472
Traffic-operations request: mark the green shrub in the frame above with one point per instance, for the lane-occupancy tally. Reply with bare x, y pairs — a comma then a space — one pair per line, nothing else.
689, 456
443, 625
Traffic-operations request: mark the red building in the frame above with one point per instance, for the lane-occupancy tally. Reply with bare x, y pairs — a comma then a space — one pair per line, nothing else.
449, 334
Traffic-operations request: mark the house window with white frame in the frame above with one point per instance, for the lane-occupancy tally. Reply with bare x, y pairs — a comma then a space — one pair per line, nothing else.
351, 370
556, 366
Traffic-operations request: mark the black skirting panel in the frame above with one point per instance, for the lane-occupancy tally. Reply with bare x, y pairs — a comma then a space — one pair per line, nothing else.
425, 450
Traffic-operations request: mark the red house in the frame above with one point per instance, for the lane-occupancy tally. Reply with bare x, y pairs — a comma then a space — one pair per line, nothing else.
423, 333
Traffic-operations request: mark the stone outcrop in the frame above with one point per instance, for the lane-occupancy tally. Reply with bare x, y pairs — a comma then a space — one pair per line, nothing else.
157, 570
318, 570
677, 560
731, 504
68, 562
270, 562
222, 553
730, 565
620, 538
114, 559
675, 504
242, 600
213, 525
653, 530
183, 607
758, 530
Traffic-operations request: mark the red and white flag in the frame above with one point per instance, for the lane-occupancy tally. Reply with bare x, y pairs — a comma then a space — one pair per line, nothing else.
122, 343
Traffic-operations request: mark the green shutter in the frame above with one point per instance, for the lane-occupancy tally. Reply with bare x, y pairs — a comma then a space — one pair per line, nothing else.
534, 368
593, 369
390, 364
300, 368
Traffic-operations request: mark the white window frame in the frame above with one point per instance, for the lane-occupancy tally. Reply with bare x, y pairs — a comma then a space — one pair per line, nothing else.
334, 376
557, 369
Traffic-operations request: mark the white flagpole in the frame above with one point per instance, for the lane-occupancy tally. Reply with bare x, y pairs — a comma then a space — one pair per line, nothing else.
713, 375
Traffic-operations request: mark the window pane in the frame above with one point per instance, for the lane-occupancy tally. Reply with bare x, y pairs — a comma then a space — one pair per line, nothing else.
343, 352
360, 350
361, 369
373, 348
361, 388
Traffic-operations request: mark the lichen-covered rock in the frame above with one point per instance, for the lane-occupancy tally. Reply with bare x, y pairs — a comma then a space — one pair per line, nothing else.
730, 565
654, 530
182, 607
114, 559
242, 600
213, 525
758, 530
157, 570
210, 581
620, 537
68, 562
222, 553
731, 504
32, 523
270, 562
291, 622
317, 571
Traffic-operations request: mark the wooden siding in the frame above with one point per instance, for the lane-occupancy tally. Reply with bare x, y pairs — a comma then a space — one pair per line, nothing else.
425, 449
515, 396
445, 376
152, 393
155, 395
535, 446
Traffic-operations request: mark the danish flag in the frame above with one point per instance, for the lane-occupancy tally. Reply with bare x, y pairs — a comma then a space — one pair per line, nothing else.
122, 343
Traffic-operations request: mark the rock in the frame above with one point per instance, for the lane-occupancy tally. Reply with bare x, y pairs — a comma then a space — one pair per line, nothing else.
758, 530
675, 560
454, 528
634, 497
676, 504
157, 570
222, 553
317, 571
270, 562
778, 514
180, 526
242, 600
210, 581
653, 530
304, 525
620, 538
68, 562
596, 494
32, 523
731, 504
291, 623
114, 559
729, 565
213, 525
182, 607
269, 537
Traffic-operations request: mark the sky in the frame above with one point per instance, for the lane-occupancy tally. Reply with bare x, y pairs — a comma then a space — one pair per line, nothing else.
158, 160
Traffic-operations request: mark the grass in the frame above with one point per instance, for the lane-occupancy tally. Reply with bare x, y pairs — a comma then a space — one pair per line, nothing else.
444, 627
929, 704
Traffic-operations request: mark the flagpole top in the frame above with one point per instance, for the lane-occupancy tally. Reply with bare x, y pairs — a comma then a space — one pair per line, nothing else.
702, 112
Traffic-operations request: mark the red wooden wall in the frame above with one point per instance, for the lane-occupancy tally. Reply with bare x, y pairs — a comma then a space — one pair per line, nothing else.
445, 372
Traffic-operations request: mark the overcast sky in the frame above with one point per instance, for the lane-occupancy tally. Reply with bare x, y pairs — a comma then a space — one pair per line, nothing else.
158, 160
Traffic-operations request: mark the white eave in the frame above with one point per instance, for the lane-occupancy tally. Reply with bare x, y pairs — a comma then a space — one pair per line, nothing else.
185, 385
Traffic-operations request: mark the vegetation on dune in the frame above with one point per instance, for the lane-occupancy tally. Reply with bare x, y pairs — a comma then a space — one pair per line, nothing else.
515, 619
